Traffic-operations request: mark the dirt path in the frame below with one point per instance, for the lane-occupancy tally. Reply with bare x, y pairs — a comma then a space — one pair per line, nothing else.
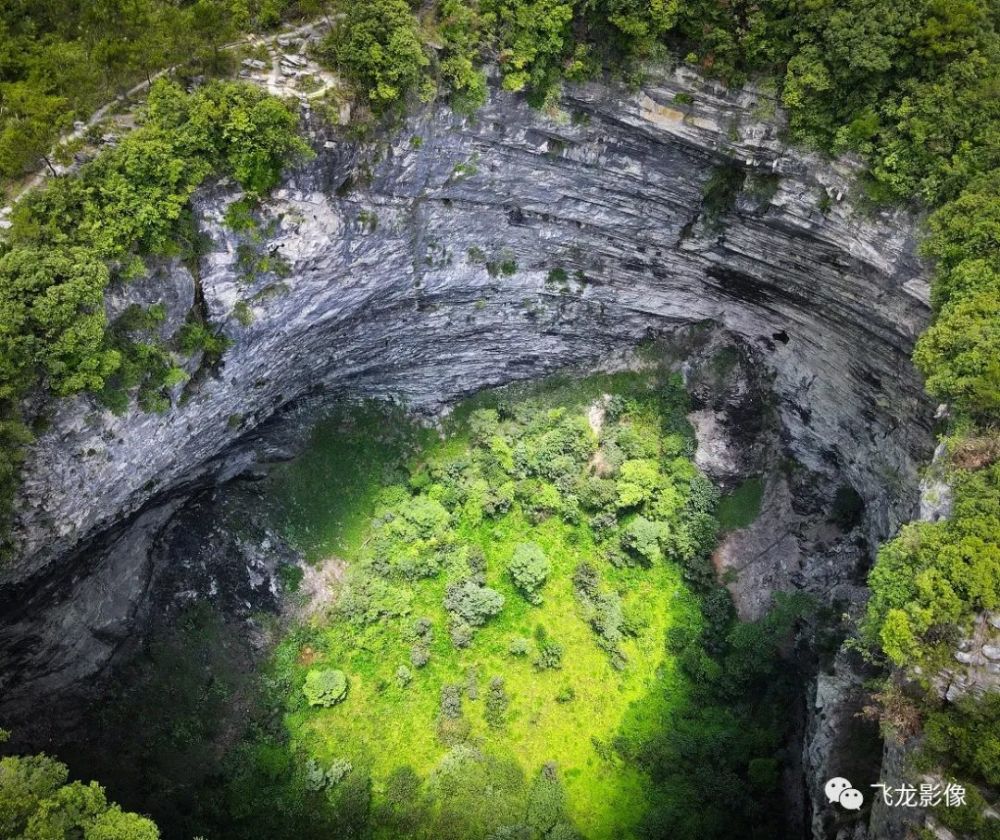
276, 81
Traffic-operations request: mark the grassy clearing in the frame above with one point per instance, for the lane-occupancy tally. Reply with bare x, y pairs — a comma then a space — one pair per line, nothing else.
600, 687
567, 717
323, 500
740, 508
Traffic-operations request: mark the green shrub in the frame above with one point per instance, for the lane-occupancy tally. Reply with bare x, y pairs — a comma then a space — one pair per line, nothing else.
37, 802
965, 735
451, 701
534, 37
546, 801
419, 656
960, 353
378, 48
497, 702
243, 313
290, 575
460, 632
196, 337
326, 687
462, 28
936, 576
472, 603
566, 694
643, 537
529, 568
52, 321
549, 655
519, 647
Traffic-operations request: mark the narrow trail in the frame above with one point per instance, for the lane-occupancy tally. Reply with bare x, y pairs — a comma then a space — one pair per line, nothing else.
276, 82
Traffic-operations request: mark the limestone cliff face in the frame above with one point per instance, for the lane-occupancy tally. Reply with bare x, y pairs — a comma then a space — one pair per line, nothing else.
466, 252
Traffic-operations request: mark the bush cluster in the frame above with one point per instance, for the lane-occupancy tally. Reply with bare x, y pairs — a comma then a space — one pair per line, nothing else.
929, 582
77, 234
326, 687
529, 568
37, 800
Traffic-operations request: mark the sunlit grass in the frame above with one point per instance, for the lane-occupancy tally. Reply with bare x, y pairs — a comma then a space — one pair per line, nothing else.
572, 716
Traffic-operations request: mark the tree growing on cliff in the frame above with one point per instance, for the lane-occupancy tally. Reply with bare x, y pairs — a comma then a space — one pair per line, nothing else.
52, 320
960, 353
937, 575
462, 30
534, 38
377, 47
32, 122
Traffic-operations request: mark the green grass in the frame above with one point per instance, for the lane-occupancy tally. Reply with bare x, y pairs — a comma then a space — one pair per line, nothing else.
380, 724
326, 501
323, 500
741, 507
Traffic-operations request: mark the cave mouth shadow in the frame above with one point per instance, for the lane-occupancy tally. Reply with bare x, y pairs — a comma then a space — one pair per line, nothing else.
728, 379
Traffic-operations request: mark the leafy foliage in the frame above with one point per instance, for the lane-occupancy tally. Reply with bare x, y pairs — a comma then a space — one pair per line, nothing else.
326, 687
529, 567
472, 603
966, 735
38, 801
434, 719
77, 234
462, 30
378, 48
929, 582
534, 36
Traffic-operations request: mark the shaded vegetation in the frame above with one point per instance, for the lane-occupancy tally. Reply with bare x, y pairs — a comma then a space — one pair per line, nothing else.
741, 507
519, 659
38, 802
77, 234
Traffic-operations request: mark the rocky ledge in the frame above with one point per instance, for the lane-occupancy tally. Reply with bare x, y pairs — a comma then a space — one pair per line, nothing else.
461, 252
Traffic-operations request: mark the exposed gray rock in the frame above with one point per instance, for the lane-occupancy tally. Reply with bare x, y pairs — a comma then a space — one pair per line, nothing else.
840, 742
387, 294
978, 655
936, 495
426, 271
717, 455
170, 285
889, 822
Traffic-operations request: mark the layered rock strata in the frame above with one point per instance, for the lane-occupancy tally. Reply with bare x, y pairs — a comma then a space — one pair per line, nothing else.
461, 252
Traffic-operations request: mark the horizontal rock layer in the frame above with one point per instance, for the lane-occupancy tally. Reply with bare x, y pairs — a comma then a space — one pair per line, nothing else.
464, 252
